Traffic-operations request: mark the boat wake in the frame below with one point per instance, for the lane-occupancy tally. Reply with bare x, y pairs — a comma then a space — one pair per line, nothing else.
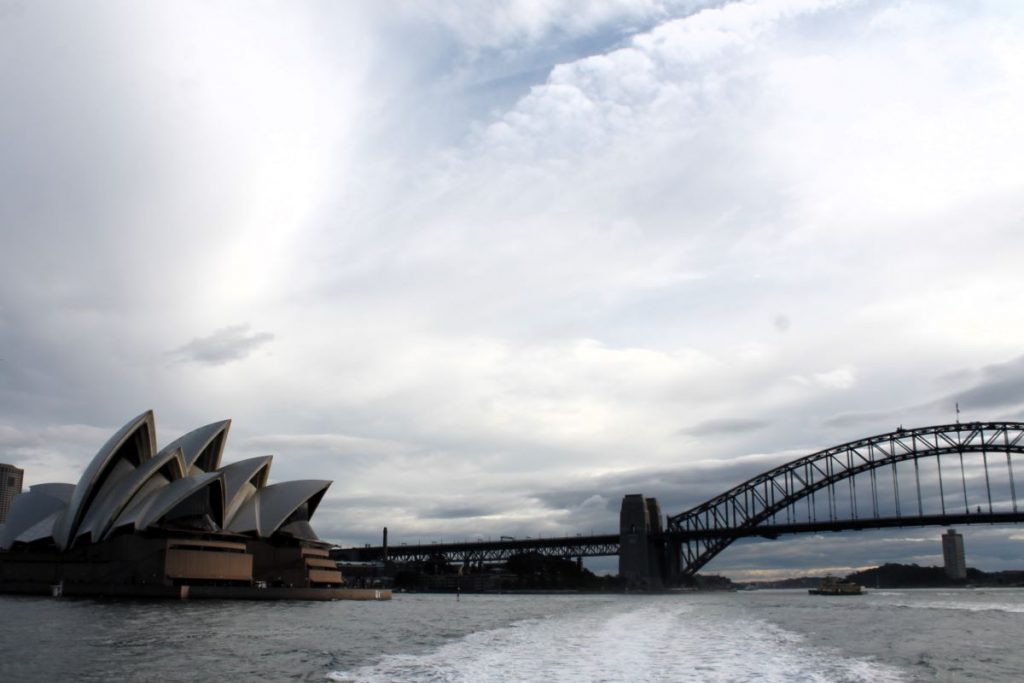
666, 641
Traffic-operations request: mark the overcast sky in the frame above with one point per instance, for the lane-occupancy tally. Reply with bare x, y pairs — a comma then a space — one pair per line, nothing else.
490, 266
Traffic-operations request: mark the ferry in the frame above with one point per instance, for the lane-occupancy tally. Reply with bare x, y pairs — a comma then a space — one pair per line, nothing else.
830, 585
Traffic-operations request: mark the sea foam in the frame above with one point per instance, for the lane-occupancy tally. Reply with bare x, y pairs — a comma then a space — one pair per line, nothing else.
668, 639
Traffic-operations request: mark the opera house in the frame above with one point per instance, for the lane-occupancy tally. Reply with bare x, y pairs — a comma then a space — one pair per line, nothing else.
171, 523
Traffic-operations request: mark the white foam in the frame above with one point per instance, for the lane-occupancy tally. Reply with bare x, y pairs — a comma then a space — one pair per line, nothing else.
961, 606
643, 640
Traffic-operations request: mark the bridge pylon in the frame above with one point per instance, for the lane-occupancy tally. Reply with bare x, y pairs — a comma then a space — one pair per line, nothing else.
644, 560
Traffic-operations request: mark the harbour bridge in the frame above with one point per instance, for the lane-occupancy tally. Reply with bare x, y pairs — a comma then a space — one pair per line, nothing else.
943, 475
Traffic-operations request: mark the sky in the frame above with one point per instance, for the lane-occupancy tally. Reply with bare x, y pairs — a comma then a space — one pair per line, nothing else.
491, 266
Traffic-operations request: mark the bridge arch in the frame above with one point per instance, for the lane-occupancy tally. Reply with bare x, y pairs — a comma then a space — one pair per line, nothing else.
754, 507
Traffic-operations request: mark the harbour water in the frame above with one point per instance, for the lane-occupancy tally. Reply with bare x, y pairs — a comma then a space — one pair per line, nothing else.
884, 635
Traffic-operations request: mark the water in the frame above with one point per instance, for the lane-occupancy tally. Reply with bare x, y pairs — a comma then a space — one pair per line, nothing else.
925, 635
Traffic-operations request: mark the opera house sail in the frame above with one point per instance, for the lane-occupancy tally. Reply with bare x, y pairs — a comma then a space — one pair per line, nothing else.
173, 522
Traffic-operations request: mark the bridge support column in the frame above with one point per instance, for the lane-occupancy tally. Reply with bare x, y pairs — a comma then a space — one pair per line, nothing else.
673, 562
642, 554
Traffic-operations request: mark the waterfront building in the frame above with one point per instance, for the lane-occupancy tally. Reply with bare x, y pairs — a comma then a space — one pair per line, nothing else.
953, 555
147, 522
11, 479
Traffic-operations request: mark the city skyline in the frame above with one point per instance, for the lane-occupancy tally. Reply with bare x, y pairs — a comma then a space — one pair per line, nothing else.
490, 270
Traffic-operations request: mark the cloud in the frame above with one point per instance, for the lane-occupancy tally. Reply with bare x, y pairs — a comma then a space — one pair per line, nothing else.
992, 386
840, 378
845, 420
56, 453
607, 99
725, 425
520, 25
223, 346
1001, 386
457, 512
325, 444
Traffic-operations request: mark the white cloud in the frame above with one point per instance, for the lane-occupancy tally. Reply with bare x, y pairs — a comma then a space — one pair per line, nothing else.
840, 378
522, 24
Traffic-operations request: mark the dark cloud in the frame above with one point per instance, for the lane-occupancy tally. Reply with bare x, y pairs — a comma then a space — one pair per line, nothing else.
457, 512
1013, 415
844, 420
725, 425
224, 345
1002, 387
676, 490
993, 386
362, 502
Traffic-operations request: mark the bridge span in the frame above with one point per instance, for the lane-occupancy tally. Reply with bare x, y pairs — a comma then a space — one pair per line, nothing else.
608, 545
885, 481
473, 552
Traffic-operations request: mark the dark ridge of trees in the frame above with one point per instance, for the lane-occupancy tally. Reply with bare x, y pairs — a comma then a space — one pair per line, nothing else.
911, 575
894, 575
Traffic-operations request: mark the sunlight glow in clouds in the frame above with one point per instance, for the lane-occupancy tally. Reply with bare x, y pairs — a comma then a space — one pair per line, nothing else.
490, 269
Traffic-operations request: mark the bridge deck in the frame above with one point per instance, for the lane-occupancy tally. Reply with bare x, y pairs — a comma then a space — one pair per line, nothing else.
488, 551
608, 544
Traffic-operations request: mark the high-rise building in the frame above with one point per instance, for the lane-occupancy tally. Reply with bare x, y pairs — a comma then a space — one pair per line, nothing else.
953, 555
10, 486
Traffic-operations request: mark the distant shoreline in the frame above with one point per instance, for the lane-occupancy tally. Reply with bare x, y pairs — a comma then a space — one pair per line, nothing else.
903, 576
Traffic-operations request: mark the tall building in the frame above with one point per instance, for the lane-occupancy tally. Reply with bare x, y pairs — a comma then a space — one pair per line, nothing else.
953, 555
10, 486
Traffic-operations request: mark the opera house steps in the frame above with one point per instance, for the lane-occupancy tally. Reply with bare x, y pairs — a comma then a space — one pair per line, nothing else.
171, 523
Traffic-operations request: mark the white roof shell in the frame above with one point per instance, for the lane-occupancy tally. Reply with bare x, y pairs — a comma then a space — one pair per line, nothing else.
168, 466
279, 501
125, 485
29, 508
241, 481
264, 513
136, 442
202, 448
158, 503
41, 530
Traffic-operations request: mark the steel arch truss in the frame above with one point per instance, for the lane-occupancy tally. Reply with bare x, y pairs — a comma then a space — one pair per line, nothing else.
770, 503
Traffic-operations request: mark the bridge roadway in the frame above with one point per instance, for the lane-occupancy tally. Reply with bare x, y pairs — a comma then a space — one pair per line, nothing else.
608, 544
487, 551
